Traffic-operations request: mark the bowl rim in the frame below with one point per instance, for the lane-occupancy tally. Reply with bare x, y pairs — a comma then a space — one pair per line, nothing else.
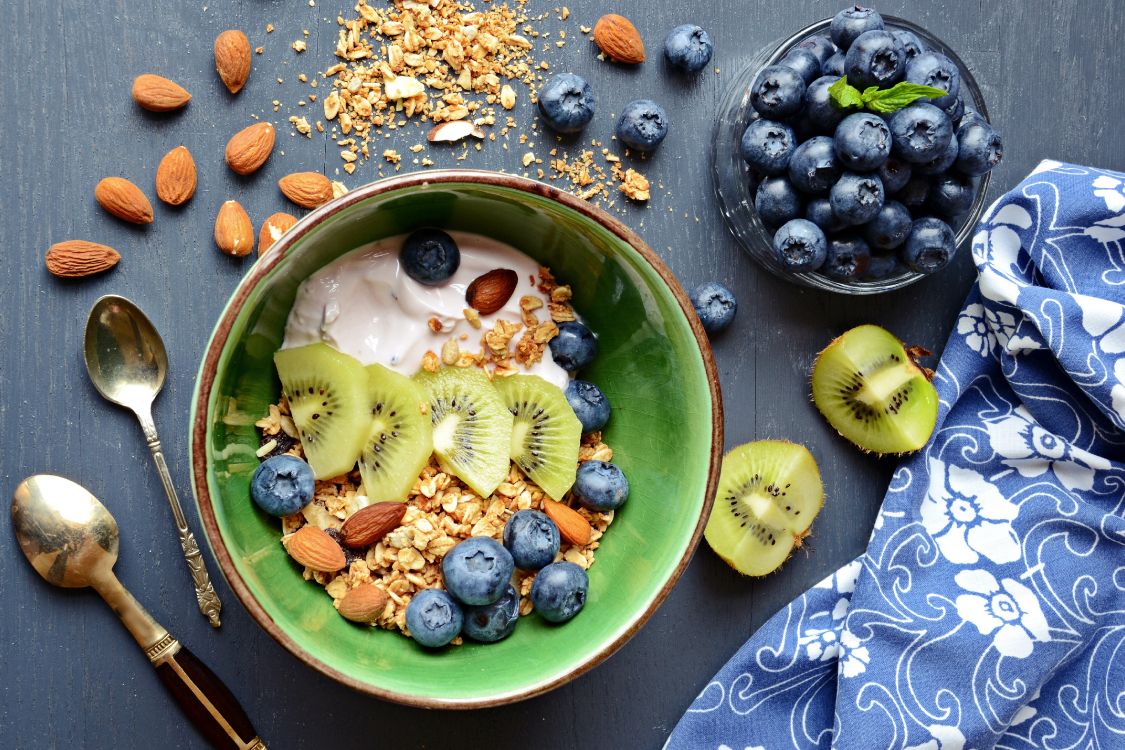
206, 376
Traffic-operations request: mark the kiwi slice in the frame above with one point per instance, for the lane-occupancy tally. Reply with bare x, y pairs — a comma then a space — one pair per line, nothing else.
769, 493
867, 385
400, 439
472, 428
545, 432
327, 394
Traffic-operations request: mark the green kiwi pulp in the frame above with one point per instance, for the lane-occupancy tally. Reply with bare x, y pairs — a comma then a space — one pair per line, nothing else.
328, 400
769, 493
545, 432
399, 440
869, 388
472, 428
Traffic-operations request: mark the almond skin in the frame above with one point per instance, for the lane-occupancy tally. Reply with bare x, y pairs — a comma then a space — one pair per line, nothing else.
175, 177
306, 189
124, 200
73, 259
368, 525
248, 149
490, 291
619, 39
158, 94
232, 59
272, 229
572, 526
363, 604
314, 549
234, 233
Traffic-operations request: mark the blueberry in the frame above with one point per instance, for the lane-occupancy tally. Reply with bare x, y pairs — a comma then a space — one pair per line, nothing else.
921, 132
910, 42
894, 173
642, 125
876, 58
856, 198
566, 103
532, 538
433, 618
778, 92
914, 193
862, 142
776, 201
848, 258
430, 256
849, 23
489, 623
834, 66
559, 591
477, 570
600, 485
688, 48
930, 245
937, 70
819, 212
589, 404
889, 228
574, 347
804, 61
956, 109
881, 267
715, 305
821, 46
971, 116
282, 485
820, 109
981, 148
814, 168
942, 162
767, 146
951, 194
800, 245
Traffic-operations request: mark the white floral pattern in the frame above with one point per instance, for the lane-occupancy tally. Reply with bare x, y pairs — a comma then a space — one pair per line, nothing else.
968, 517
1006, 610
1033, 451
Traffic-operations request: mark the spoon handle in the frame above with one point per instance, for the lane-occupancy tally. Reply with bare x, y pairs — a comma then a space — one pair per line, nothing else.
205, 595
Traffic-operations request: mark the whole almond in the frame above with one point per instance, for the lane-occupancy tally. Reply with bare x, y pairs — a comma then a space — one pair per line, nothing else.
314, 549
75, 258
234, 233
306, 189
619, 39
368, 525
158, 94
490, 291
248, 149
272, 229
124, 200
572, 526
364, 603
175, 177
232, 59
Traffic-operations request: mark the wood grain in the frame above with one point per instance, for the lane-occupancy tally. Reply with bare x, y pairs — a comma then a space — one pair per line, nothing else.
71, 677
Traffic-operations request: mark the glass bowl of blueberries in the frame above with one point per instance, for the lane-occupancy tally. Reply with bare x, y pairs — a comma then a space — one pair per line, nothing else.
858, 186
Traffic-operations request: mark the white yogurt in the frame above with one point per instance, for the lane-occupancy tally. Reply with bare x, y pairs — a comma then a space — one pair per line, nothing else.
365, 305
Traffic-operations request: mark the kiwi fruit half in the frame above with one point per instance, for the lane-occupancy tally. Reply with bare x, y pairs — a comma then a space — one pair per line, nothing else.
769, 493
545, 432
400, 438
472, 428
328, 400
867, 385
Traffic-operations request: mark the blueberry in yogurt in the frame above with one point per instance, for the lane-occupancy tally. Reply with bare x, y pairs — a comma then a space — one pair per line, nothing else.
574, 347
430, 256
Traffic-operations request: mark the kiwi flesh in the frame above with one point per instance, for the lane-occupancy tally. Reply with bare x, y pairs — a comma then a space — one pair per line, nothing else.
400, 437
769, 493
545, 433
328, 399
472, 428
869, 388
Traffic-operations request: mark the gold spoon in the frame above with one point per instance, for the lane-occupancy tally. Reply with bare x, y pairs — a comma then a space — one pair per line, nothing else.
127, 363
71, 540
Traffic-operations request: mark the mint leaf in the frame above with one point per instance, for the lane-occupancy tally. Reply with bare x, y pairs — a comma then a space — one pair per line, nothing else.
845, 96
898, 96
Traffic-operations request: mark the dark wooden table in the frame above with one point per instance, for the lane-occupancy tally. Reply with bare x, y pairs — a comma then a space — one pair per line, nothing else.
71, 677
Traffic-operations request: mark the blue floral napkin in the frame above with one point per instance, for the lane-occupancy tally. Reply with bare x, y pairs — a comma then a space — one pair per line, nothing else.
989, 608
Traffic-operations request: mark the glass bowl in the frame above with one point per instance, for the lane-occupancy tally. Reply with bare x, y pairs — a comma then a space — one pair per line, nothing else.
732, 174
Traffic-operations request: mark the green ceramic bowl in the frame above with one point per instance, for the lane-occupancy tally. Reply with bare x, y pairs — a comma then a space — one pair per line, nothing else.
654, 364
